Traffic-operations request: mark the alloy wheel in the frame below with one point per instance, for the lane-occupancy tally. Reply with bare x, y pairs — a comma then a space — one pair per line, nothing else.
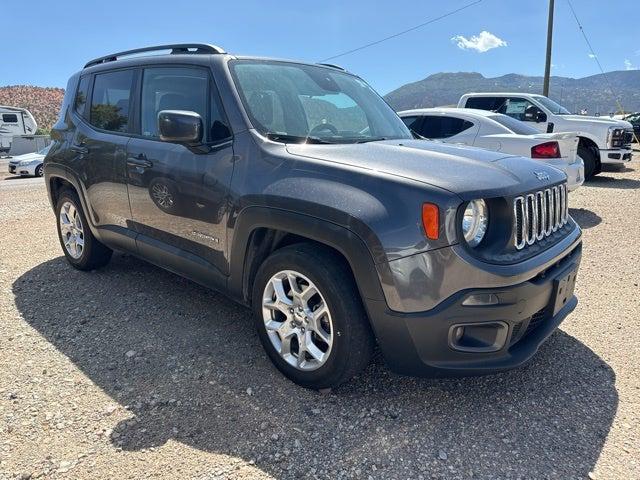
71, 230
297, 320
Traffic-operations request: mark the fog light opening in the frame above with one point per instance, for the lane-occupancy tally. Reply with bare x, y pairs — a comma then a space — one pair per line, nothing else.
478, 337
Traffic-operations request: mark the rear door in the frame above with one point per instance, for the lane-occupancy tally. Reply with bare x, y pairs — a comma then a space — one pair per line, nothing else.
97, 150
179, 194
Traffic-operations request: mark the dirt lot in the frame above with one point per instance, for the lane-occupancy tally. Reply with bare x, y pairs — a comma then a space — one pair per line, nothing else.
132, 372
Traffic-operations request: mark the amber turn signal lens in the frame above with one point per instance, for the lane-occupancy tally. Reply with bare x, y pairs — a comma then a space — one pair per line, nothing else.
431, 220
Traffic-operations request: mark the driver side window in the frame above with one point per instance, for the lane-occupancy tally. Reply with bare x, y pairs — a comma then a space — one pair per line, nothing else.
520, 109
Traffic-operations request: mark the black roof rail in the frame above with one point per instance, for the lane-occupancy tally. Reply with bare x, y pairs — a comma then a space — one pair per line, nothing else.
177, 48
333, 66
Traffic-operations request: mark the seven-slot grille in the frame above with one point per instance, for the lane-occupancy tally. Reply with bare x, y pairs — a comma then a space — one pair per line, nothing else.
537, 215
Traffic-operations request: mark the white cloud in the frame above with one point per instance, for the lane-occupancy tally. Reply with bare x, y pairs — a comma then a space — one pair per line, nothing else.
628, 65
483, 42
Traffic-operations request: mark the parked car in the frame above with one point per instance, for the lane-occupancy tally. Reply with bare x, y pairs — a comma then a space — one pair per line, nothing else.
494, 131
29, 163
302, 195
634, 119
602, 139
14, 121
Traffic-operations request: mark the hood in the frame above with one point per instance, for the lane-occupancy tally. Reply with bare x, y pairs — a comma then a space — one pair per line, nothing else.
467, 171
608, 121
27, 157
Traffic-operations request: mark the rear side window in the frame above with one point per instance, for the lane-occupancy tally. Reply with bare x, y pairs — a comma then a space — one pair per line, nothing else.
80, 101
435, 127
413, 123
485, 103
9, 118
111, 100
181, 88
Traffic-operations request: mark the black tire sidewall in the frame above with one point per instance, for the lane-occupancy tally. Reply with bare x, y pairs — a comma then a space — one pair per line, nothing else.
39, 170
590, 161
332, 372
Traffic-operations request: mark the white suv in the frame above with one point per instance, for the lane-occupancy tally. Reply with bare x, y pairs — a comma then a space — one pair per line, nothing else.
602, 140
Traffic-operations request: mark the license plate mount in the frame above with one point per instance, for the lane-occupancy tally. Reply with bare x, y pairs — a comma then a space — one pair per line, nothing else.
564, 289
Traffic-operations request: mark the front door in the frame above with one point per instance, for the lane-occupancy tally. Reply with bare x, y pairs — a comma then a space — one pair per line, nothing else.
179, 194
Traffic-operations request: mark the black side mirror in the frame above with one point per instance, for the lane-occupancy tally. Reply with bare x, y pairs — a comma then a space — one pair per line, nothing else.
541, 117
180, 126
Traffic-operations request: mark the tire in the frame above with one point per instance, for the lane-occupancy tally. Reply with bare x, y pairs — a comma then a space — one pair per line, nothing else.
91, 254
352, 340
39, 171
591, 163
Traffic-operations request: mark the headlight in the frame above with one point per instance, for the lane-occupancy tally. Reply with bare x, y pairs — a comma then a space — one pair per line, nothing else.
475, 222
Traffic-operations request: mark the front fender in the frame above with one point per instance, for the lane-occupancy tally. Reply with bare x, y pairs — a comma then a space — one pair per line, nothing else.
354, 249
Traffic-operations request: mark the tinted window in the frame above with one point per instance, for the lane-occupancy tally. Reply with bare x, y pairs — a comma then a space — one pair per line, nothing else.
413, 123
81, 95
442, 127
484, 103
111, 100
9, 118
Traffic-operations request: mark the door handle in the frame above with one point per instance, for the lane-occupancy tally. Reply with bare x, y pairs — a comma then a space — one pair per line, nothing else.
79, 149
139, 161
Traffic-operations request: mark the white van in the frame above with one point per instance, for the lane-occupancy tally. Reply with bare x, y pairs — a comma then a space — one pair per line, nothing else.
14, 122
602, 139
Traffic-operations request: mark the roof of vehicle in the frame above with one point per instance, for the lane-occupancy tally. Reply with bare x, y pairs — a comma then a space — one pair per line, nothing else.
13, 109
179, 53
500, 94
472, 112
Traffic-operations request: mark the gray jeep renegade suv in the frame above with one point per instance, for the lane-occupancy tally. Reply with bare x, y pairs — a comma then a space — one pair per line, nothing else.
297, 191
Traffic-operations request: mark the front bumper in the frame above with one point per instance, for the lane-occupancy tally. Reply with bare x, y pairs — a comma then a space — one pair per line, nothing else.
17, 169
616, 156
425, 344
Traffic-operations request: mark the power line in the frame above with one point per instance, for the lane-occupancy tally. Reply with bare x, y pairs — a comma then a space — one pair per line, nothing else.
371, 44
594, 56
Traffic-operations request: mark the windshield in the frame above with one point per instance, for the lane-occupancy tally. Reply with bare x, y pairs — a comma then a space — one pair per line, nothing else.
45, 150
553, 106
515, 126
291, 102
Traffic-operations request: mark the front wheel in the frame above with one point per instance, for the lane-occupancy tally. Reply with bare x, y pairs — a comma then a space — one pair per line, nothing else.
39, 171
590, 161
310, 318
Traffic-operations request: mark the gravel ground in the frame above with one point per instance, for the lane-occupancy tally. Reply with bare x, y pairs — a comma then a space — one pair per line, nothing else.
132, 372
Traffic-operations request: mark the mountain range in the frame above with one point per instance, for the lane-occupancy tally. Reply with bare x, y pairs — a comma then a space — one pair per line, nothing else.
593, 93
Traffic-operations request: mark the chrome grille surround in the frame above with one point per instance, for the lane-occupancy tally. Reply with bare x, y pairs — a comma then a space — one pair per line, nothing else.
537, 215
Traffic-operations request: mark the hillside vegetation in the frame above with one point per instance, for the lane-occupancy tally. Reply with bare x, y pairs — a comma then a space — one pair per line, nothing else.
591, 92
43, 103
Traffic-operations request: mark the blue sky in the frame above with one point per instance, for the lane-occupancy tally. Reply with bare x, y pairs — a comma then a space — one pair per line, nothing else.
51, 40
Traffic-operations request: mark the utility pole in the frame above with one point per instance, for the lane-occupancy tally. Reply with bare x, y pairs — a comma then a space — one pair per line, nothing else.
547, 66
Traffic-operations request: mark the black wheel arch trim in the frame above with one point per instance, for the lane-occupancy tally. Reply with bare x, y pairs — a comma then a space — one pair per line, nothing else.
346, 242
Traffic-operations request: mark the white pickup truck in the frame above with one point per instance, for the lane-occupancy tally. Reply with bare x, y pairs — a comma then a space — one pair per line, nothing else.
602, 140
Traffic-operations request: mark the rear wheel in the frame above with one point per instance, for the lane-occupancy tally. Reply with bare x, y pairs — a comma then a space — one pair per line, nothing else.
310, 318
82, 250
591, 163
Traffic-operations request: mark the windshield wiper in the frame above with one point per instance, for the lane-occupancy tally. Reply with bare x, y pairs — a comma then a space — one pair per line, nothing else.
283, 137
372, 139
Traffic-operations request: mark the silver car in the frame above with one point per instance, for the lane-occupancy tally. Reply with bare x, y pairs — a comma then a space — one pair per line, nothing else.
29, 163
